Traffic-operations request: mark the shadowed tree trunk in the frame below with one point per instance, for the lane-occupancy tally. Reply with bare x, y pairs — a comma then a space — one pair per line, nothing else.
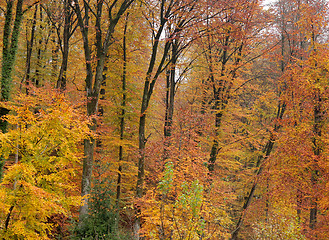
166, 11
222, 94
266, 153
42, 42
64, 29
10, 45
317, 150
147, 93
170, 98
68, 30
94, 76
122, 117
29, 48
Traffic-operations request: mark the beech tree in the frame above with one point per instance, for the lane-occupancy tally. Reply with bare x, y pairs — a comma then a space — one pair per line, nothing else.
94, 77
164, 119
173, 16
38, 184
295, 45
64, 28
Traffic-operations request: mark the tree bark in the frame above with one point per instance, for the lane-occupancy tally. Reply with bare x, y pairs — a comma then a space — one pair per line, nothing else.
147, 93
122, 117
29, 48
317, 150
9, 50
36, 78
170, 98
221, 94
61, 81
94, 81
10, 45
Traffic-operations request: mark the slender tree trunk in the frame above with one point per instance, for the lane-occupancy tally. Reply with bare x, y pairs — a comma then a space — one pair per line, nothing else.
219, 100
214, 148
221, 94
61, 81
147, 93
318, 119
148, 90
299, 204
165, 131
29, 48
141, 147
54, 55
36, 78
170, 99
122, 118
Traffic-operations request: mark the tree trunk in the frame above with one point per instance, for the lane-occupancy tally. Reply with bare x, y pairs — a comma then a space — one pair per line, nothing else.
170, 99
220, 101
93, 82
9, 50
36, 78
29, 48
61, 81
8, 59
122, 118
318, 121
89, 146
214, 148
148, 90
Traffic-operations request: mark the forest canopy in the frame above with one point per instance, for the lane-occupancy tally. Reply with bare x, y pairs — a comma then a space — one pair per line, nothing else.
164, 119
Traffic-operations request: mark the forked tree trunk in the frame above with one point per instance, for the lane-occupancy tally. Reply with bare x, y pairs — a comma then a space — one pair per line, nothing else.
166, 12
94, 78
222, 93
36, 78
148, 90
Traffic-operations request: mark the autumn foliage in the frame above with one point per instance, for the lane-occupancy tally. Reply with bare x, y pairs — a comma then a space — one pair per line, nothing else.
164, 119
42, 149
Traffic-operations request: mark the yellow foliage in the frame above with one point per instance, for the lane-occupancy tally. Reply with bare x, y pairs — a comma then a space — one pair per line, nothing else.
45, 136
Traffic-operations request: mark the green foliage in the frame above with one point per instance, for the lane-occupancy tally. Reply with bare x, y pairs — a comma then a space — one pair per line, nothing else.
101, 220
179, 211
165, 184
191, 198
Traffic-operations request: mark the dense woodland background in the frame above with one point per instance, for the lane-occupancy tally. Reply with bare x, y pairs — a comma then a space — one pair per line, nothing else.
164, 119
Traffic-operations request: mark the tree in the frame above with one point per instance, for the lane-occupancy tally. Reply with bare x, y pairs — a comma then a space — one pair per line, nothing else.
68, 27
10, 45
179, 14
94, 76
227, 48
296, 40
40, 183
